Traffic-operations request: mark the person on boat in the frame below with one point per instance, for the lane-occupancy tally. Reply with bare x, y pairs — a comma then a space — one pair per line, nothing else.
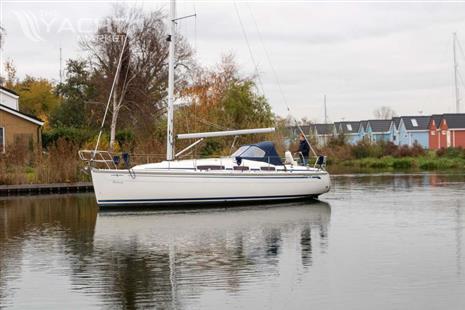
304, 149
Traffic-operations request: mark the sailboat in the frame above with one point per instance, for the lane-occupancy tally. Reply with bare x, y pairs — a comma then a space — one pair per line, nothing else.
254, 172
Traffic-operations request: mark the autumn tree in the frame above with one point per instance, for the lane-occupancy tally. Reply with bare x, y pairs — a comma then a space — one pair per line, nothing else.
140, 88
222, 99
10, 79
36, 95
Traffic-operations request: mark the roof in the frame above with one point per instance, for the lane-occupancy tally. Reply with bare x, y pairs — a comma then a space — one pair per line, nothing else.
9, 91
363, 124
416, 122
350, 127
22, 115
436, 118
396, 121
295, 129
306, 129
337, 126
455, 120
271, 156
324, 129
380, 125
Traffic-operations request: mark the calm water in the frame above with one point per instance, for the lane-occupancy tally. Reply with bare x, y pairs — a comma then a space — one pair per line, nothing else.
374, 242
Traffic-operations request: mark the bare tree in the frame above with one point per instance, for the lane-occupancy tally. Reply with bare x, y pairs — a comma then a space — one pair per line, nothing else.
2, 35
140, 89
384, 112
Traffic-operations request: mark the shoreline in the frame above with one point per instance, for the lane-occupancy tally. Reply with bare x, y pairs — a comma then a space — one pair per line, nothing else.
82, 187
51, 188
397, 164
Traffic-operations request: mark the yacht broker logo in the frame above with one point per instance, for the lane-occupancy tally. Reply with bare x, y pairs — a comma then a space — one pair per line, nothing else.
38, 26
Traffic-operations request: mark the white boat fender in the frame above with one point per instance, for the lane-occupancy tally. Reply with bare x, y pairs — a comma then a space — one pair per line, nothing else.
289, 159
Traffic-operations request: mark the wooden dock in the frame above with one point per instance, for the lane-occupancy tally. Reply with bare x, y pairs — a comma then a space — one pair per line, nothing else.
7, 190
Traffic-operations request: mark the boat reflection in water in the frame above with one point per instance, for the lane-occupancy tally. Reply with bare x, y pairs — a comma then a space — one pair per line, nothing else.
168, 259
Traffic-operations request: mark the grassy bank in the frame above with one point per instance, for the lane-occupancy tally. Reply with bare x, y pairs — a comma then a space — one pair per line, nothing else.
385, 156
389, 163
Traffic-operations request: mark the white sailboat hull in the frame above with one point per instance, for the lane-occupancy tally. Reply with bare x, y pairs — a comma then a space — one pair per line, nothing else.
146, 187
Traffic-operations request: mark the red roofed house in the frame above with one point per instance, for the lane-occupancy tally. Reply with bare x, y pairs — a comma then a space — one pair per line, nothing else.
447, 130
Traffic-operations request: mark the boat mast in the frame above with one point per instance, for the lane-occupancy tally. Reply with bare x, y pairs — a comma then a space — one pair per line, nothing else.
457, 94
171, 40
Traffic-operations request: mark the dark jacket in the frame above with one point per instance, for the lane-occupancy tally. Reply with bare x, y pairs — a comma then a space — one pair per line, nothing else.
304, 148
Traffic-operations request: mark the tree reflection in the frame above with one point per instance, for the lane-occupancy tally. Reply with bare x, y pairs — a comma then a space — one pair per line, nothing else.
273, 242
306, 245
158, 259
67, 218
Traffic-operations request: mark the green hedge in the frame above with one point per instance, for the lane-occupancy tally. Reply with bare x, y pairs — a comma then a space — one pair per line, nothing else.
74, 135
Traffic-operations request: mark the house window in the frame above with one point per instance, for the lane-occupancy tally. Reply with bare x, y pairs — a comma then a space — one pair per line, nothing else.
2, 140
414, 122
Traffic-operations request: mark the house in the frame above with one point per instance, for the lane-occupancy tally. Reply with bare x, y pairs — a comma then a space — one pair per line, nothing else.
394, 130
337, 128
447, 131
413, 129
322, 133
433, 134
293, 132
362, 130
350, 130
15, 126
378, 130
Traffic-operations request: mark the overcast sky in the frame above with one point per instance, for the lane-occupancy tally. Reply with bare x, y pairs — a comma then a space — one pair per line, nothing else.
361, 55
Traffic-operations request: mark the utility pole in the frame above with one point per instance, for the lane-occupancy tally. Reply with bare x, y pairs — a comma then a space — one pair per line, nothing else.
456, 67
326, 114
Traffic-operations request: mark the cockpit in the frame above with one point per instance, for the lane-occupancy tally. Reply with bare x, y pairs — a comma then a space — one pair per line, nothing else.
263, 151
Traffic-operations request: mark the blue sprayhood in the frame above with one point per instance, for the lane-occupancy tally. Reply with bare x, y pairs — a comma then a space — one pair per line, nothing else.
262, 151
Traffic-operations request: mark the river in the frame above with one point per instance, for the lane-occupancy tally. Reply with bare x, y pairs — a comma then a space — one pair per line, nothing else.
373, 242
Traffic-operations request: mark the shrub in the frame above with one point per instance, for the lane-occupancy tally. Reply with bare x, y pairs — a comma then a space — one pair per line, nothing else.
338, 140
417, 150
406, 151
389, 148
361, 149
403, 163
429, 164
367, 162
448, 163
212, 147
75, 136
338, 152
451, 152
60, 164
379, 164
125, 139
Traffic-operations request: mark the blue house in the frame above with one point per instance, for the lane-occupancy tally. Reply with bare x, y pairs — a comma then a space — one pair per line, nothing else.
414, 129
394, 130
350, 131
323, 133
378, 130
362, 130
